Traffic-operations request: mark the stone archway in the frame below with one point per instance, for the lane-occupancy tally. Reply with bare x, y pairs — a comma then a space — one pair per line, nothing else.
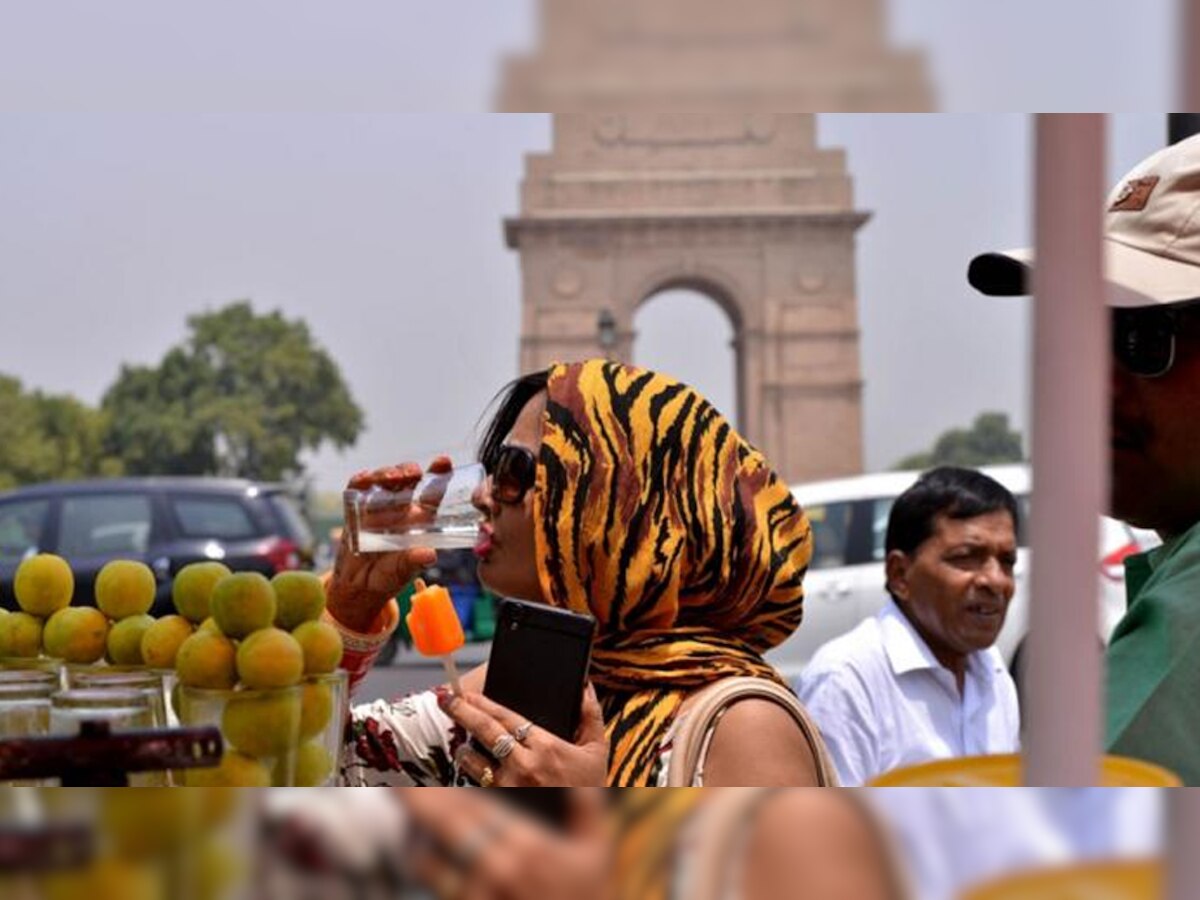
744, 208
692, 330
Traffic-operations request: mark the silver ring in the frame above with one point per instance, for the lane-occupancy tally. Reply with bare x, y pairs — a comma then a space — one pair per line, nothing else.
521, 732
503, 747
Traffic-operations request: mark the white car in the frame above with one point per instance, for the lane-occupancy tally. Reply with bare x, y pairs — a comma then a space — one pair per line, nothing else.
845, 580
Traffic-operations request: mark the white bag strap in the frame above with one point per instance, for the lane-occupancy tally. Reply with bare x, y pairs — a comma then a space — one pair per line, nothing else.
704, 709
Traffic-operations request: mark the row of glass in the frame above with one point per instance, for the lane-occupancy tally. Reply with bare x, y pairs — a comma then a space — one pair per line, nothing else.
43, 698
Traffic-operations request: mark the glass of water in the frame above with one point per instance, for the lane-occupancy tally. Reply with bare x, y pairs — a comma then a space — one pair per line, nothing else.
439, 512
124, 709
25, 707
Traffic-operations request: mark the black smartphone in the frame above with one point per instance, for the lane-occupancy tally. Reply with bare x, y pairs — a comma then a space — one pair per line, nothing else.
539, 663
538, 667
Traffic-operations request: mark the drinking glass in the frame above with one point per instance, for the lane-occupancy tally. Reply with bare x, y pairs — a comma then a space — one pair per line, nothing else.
439, 513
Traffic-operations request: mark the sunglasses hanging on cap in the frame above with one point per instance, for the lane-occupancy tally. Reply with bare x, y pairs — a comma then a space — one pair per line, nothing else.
1145, 341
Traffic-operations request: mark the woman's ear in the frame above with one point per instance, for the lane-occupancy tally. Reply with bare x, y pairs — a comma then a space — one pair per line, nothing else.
896, 566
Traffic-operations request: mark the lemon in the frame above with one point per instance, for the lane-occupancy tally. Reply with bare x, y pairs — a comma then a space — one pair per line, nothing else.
125, 640
44, 584
270, 658
243, 603
77, 634
262, 724
314, 765
322, 646
235, 770
125, 588
316, 707
300, 597
162, 640
207, 660
20, 635
192, 589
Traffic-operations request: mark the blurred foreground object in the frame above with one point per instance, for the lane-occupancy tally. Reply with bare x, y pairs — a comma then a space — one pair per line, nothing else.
125, 845
1110, 881
811, 55
956, 840
356, 831
36, 850
1005, 770
754, 842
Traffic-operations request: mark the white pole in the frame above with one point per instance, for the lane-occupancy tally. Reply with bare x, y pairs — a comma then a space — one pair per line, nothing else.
1189, 64
1183, 835
1183, 864
1070, 461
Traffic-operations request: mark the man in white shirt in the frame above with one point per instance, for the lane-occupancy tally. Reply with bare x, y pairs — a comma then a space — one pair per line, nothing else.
921, 680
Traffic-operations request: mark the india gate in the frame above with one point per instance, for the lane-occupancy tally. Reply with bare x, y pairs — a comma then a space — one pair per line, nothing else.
742, 207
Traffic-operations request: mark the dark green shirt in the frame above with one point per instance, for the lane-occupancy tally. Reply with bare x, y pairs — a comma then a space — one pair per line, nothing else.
1154, 660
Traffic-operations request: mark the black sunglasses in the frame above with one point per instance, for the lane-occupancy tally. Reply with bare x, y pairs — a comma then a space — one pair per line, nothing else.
513, 471
1144, 340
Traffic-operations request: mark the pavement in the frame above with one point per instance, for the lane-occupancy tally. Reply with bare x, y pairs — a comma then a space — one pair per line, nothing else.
411, 672
469, 656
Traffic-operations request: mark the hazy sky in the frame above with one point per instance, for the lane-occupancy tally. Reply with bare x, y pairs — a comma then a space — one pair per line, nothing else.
435, 56
142, 179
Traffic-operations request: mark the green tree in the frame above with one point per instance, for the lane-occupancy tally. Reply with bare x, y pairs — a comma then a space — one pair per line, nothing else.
244, 395
48, 437
988, 441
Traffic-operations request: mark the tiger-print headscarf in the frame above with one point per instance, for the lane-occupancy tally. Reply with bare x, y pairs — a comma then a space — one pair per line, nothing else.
655, 516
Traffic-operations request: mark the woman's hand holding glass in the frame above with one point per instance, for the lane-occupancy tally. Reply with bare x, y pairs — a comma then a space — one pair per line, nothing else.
363, 584
532, 756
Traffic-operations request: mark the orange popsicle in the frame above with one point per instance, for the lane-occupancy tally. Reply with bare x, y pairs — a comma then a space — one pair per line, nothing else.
434, 626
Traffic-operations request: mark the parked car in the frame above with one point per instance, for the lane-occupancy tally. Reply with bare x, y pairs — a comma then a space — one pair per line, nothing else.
164, 522
845, 581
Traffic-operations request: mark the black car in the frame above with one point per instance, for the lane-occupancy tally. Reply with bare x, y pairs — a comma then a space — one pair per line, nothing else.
164, 522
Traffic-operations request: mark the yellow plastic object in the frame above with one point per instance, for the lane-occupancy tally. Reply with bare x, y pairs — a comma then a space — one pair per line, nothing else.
1005, 771
433, 623
1112, 881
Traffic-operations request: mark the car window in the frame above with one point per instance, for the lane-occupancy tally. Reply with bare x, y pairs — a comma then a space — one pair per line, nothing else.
1023, 525
293, 521
222, 518
104, 524
22, 527
881, 508
831, 530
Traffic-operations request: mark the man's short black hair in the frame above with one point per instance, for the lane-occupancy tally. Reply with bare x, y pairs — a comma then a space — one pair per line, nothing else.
945, 491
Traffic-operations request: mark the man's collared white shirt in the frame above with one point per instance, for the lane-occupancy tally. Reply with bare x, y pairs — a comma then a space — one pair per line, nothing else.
882, 700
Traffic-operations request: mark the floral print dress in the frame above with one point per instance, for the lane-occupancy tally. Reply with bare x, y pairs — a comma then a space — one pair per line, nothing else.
401, 743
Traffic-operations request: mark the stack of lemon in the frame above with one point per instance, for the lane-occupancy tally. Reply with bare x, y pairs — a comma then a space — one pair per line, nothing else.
262, 655
254, 649
48, 625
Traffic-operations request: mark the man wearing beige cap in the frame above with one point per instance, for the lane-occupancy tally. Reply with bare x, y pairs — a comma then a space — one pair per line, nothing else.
1152, 270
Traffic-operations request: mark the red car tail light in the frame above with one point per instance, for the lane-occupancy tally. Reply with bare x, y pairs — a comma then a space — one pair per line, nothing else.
281, 553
